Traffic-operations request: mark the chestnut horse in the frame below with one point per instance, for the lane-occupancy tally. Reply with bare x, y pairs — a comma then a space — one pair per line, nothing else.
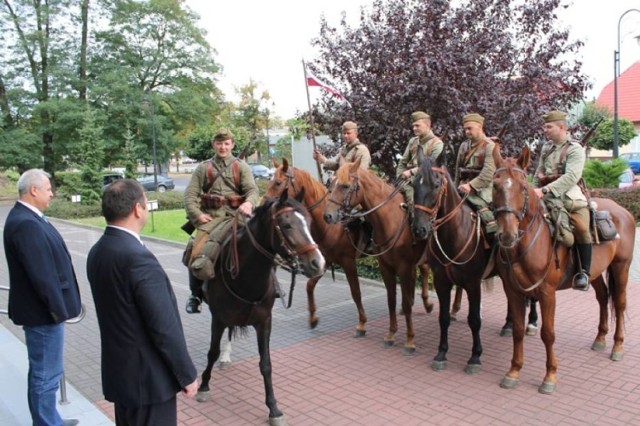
243, 291
456, 250
523, 231
336, 242
398, 256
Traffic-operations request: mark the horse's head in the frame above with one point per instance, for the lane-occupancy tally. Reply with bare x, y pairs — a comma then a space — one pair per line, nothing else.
345, 193
510, 195
291, 221
429, 188
283, 180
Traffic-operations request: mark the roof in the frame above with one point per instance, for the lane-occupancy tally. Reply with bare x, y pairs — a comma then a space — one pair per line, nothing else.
628, 94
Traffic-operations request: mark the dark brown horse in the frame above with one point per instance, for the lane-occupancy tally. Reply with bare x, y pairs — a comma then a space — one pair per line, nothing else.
522, 232
398, 256
243, 291
456, 250
336, 242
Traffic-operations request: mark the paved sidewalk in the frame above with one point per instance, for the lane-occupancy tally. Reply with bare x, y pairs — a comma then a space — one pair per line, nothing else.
326, 377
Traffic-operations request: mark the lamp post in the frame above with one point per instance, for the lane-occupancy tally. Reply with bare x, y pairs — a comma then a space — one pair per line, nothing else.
148, 102
616, 73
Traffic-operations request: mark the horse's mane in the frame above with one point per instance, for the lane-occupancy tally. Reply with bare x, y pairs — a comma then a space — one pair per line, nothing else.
304, 179
343, 175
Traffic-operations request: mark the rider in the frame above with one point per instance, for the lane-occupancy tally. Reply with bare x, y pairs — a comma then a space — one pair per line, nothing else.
218, 188
475, 168
556, 180
431, 146
352, 150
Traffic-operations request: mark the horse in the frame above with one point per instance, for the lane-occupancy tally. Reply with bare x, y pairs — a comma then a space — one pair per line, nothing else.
456, 251
337, 243
522, 230
243, 291
398, 256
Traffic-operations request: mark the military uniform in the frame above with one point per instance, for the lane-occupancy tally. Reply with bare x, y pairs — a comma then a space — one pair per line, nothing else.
349, 153
475, 166
558, 173
217, 187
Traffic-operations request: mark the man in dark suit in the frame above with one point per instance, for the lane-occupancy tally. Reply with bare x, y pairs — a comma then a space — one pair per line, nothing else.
145, 361
43, 292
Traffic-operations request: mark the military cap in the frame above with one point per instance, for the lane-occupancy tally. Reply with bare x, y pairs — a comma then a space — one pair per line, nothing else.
349, 125
223, 135
473, 117
554, 116
420, 115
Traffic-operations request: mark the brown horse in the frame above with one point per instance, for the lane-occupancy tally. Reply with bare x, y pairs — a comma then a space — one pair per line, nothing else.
523, 231
456, 250
336, 242
243, 290
398, 255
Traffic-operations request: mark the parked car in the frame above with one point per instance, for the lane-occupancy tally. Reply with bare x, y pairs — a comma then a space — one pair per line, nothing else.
633, 159
261, 172
164, 183
628, 179
107, 178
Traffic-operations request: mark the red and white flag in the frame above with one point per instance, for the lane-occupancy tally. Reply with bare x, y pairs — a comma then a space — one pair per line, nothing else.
313, 81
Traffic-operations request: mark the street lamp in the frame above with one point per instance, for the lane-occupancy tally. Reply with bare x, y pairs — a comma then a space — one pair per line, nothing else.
616, 73
149, 102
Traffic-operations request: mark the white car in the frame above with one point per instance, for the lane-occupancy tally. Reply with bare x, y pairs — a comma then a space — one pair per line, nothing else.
628, 179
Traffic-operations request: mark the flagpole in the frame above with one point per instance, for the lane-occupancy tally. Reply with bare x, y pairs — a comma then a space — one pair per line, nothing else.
313, 133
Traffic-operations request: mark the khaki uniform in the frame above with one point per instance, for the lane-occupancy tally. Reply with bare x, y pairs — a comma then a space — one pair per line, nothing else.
475, 166
210, 235
348, 154
431, 146
564, 192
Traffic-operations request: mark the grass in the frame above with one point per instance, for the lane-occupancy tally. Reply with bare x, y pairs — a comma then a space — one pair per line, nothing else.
161, 224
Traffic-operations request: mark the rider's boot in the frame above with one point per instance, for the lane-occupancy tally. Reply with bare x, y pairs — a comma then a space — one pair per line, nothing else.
195, 300
581, 282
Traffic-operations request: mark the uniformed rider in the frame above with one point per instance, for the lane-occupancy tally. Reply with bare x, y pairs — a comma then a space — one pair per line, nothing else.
556, 180
218, 188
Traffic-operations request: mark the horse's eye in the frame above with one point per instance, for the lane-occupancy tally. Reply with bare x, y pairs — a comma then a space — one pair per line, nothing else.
344, 186
286, 226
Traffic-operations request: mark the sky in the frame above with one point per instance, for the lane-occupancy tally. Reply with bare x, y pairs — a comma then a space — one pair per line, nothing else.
266, 40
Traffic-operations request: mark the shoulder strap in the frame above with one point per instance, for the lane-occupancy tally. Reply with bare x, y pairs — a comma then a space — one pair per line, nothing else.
211, 177
562, 159
470, 152
235, 167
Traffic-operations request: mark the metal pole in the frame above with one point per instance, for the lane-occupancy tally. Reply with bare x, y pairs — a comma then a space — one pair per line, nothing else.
313, 133
616, 73
153, 138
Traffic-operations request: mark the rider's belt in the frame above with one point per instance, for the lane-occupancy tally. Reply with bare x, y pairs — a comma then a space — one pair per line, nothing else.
467, 174
546, 180
214, 201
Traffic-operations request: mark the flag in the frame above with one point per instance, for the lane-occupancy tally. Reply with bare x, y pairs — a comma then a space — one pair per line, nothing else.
313, 81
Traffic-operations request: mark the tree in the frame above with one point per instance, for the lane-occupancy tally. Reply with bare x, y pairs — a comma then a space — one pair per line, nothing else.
91, 155
506, 59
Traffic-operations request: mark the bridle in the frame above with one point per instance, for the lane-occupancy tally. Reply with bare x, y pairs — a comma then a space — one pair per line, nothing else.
436, 223
291, 180
292, 253
522, 232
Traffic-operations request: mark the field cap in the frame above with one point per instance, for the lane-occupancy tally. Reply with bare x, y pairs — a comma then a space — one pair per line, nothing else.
349, 125
222, 135
473, 117
420, 115
554, 116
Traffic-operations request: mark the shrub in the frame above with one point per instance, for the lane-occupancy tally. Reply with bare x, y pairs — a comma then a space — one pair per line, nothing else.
629, 198
598, 174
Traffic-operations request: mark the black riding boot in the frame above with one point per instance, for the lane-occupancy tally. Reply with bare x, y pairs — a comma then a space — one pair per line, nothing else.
370, 246
194, 301
582, 280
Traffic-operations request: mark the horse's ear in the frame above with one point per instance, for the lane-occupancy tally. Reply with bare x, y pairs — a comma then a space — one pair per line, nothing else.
355, 166
283, 197
275, 162
525, 156
285, 165
497, 158
300, 195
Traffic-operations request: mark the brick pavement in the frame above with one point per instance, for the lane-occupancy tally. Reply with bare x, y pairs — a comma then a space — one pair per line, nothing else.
327, 377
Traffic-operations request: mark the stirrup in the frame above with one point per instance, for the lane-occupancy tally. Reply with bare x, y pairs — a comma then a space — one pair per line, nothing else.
193, 305
581, 282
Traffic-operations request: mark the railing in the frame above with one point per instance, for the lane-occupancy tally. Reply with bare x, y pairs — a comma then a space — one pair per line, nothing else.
63, 382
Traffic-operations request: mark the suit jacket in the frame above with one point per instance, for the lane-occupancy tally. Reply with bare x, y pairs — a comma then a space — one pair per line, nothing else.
144, 353
43, 285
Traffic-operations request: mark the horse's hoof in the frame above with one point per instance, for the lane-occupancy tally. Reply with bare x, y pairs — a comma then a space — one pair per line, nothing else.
386, 344
438, 365
313, 324
360, 333
225, 365
547, 388
506, 332
598, 346
471, 369
408, 351
277, 421
429, 308
203, 396
508, 382
452, 318
617, 356
532, 330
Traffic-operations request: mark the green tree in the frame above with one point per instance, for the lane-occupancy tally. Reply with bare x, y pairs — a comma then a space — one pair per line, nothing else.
91, 155
603, 137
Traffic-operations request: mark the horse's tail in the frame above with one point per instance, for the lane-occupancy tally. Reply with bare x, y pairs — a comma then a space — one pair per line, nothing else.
239, 332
